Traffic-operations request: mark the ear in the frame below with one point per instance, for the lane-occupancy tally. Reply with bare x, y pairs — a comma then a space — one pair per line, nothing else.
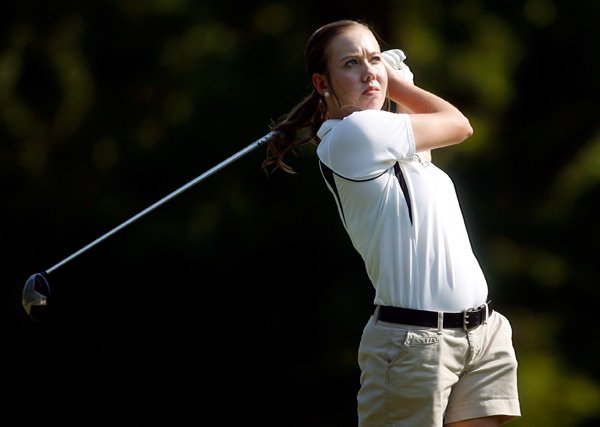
320, 83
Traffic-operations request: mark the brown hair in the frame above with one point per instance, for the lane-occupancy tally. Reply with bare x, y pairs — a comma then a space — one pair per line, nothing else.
300, 125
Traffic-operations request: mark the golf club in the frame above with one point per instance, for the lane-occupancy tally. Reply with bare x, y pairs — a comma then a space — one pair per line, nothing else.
37, 288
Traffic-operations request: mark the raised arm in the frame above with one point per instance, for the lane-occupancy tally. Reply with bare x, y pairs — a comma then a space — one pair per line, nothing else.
436, 123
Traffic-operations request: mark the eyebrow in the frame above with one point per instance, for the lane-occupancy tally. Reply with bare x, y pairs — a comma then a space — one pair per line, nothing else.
358, 54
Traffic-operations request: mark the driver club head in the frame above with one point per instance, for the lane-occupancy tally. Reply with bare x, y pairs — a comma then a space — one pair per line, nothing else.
35, 296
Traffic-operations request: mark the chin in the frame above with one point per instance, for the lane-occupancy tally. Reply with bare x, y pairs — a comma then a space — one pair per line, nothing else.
374, 106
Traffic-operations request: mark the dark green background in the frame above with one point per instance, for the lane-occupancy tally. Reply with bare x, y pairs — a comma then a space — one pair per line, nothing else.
242, 301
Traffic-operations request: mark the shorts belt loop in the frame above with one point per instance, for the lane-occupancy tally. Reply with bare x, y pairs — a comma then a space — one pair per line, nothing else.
440, 321
487, 313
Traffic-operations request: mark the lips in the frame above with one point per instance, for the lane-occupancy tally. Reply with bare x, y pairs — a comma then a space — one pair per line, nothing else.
372, 90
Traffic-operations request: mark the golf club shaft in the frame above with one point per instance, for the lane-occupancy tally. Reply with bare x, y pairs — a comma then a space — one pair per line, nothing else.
165, 199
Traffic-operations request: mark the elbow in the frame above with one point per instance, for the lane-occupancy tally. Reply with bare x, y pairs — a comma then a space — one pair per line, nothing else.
466, 130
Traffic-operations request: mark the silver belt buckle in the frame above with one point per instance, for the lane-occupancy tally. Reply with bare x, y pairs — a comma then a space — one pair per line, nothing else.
482, 307
466, 318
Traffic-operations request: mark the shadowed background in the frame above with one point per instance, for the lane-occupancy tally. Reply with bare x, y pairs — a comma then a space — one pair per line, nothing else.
244, 292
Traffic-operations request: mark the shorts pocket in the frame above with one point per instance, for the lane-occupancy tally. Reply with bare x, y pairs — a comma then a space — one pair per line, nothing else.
420, 343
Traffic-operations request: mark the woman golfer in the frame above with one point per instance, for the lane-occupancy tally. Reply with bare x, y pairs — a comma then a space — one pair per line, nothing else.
435, 352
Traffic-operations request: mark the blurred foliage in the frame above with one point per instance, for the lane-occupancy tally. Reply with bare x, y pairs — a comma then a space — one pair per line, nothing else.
249, 281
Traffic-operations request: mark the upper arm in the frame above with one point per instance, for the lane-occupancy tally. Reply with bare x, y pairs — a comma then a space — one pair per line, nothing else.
440, 129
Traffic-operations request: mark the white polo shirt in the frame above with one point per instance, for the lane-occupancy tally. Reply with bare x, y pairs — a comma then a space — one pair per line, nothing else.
416, 249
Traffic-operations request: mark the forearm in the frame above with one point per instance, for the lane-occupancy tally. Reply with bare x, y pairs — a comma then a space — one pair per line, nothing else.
436, 122
416, 99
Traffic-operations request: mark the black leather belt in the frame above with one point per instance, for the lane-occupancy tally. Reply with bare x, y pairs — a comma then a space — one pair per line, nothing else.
467, 319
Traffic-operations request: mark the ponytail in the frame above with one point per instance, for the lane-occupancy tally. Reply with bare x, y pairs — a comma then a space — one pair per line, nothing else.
296, 128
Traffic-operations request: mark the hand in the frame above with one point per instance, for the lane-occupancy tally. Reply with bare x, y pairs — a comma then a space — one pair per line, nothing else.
395, 58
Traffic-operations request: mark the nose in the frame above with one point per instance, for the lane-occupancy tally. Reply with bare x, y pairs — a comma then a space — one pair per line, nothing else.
369, 73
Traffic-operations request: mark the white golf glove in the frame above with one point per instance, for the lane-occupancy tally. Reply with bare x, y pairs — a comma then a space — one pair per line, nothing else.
395, 58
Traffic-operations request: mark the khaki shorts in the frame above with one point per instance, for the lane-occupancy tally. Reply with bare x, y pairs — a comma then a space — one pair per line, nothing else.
421, 377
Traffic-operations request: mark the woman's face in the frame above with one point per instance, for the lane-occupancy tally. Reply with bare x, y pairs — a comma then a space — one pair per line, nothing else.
357, 77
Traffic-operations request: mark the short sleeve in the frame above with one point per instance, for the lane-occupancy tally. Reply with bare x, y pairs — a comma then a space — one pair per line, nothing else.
366, 143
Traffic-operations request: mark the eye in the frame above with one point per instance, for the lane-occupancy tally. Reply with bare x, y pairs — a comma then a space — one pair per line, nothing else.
376, 59
351, 62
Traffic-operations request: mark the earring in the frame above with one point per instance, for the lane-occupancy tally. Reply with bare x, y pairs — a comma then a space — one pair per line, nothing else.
326, 94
